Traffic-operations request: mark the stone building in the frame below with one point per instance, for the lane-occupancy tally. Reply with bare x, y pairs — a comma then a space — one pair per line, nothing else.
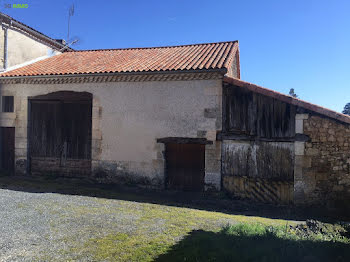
175, 117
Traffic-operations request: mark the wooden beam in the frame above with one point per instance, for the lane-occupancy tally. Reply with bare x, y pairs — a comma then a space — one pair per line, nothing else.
184, 140
240, 137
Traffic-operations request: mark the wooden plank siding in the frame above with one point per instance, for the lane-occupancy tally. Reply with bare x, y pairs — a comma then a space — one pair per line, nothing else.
257, 146
261, 190
265, 160
252, 114
56, 124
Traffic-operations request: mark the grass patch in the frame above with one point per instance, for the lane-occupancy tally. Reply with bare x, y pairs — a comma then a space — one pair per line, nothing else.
193, 235
257, 242
123, 247
158, 229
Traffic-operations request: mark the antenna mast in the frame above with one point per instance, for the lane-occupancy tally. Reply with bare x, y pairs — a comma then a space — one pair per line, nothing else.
70, 13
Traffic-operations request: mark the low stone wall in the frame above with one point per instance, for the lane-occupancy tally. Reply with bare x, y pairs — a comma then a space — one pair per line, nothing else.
127, 172
53, 165
325, 165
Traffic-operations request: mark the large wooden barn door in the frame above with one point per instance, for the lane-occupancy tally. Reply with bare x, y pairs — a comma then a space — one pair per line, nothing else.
261, 171
46, 136
7, 149
185, 166
60, 136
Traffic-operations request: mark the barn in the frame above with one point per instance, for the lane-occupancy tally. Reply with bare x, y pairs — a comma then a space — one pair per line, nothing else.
174, 117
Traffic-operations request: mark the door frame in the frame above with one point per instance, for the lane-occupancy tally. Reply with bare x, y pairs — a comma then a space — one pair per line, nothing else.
181, 140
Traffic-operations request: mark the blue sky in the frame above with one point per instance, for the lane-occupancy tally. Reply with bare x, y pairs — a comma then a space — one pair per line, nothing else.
300, 44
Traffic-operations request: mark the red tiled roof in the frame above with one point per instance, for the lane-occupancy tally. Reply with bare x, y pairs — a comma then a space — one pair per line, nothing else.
153, 59
288, 99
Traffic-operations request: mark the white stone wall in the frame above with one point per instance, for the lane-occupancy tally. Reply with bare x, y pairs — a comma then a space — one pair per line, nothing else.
212, 177
127, 119
300, 160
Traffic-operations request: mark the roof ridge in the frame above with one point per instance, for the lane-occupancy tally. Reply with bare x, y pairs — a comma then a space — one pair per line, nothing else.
152, 47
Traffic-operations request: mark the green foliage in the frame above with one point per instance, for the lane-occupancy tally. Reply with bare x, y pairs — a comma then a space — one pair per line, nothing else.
247, 230
347, 109
292, 93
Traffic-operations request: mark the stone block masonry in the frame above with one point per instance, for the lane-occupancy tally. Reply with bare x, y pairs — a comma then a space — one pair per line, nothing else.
324, 176
212, 178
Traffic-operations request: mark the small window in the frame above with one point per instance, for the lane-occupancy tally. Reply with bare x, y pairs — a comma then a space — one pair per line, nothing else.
7, 104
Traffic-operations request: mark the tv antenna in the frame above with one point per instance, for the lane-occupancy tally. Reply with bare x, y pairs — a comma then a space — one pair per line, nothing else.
70, 14
69, 42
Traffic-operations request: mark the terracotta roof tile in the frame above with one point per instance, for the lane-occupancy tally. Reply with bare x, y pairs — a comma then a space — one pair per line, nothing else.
152, 59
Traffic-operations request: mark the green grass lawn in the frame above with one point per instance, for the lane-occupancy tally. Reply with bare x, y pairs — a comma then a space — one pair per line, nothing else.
166, 233
160, 229
248, 240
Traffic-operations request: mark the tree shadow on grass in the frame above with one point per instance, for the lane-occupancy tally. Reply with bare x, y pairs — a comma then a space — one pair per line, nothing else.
209, 246
198, 200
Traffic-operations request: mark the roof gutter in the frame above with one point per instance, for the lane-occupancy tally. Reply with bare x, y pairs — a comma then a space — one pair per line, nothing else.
4, 27
222, 71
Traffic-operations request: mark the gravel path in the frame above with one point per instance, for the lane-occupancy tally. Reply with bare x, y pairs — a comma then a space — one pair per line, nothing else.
35, 226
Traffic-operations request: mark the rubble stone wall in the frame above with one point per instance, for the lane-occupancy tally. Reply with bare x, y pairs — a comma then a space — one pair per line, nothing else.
323, 164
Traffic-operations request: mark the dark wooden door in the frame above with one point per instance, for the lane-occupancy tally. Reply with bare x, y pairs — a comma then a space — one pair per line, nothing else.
185, 166
45, 135
76, 129
7, 149
60, 137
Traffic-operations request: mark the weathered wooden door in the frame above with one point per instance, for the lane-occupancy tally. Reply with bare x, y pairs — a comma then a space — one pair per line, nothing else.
7, 149
185, 166
261, 171
60, 137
